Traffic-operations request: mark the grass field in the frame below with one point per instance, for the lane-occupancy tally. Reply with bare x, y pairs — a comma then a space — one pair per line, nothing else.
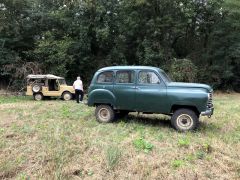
61, 140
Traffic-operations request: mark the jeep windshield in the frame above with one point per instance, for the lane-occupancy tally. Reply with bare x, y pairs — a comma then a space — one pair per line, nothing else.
165, 76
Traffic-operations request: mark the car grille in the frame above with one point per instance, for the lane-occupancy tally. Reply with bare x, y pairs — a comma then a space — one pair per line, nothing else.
210, 100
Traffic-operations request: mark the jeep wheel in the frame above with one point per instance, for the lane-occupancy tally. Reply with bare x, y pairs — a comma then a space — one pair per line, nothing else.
67, 96
38, 96
36, 88
104, 113
184, 120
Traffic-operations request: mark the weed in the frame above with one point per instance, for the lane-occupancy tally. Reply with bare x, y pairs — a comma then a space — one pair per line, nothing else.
90, 173
177, 163
142, 144
113, 155
184, 142
200, 154
207, 148
238, 172
65, 111
160, 137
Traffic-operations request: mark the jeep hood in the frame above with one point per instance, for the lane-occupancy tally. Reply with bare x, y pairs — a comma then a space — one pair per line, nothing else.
189, 85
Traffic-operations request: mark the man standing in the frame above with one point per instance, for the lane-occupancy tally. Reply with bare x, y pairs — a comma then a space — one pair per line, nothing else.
78, 86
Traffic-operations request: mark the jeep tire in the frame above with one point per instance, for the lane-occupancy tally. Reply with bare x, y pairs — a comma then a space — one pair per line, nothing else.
104, 113
67, 96
36, 88
38, 96
184, 120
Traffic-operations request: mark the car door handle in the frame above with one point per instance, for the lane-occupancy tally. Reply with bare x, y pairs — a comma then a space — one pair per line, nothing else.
135, 87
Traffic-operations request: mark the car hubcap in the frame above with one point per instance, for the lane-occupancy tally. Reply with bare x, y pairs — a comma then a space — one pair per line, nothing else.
67, 97
104, 114
184, 121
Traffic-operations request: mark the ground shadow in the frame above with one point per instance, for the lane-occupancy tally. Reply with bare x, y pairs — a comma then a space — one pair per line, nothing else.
148, 120
164, 122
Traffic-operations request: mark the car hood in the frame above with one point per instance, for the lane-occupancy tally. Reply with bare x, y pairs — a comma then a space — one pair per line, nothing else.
189, 85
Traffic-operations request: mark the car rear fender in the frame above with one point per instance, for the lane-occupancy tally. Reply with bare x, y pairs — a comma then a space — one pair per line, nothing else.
101, 96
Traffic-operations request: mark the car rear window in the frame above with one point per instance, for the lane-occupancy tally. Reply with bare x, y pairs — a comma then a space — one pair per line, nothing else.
125, 76
148, 77
105, 77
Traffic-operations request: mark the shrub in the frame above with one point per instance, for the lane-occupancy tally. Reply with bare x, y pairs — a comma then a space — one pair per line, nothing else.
183, 70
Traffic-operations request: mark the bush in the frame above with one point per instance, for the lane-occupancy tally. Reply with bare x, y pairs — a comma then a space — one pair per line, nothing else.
183, 70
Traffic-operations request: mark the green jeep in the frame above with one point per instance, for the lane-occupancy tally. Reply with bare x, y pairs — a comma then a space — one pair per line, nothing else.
119, 90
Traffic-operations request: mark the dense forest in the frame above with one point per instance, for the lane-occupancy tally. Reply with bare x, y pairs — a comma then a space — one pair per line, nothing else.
192, 40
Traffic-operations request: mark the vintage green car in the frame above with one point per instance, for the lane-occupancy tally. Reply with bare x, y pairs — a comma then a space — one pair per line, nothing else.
118, 90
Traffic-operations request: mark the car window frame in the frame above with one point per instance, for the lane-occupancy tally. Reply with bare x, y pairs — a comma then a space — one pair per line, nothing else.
147, 84
134, 76
113, 75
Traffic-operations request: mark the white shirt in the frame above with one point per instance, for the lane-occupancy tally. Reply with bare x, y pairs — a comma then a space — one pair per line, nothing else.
78, 85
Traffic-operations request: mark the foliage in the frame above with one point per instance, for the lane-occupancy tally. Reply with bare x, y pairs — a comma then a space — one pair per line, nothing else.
71, 38
183, 70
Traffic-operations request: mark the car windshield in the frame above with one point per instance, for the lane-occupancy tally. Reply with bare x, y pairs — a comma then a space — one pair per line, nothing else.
62, 81
165, 76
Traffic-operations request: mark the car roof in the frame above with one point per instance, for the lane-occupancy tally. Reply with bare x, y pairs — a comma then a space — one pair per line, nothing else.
43, 76
129, 68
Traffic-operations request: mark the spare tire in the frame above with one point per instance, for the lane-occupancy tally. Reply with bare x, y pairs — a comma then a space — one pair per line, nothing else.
36, 88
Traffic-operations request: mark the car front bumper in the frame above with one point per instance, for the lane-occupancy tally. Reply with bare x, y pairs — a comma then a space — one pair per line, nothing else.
208, 112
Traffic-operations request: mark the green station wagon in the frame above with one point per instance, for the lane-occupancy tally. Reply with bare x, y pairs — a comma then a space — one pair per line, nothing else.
118, 90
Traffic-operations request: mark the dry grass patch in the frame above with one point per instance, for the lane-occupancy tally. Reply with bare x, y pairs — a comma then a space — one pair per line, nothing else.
61, 140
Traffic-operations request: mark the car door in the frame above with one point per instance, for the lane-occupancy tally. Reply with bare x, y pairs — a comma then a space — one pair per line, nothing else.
150, 92
125, 89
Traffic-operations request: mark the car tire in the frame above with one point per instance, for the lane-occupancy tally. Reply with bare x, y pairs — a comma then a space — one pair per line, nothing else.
36, 88
67, 96
104, 113
38, 96
184, 120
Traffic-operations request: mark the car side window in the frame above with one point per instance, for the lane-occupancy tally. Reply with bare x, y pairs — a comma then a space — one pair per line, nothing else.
148, 77
125, 76
105, 77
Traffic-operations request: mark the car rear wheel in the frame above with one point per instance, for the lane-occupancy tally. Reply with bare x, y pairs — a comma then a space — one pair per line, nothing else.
184, 120
67, 96
38, 96
104, 113
36, 88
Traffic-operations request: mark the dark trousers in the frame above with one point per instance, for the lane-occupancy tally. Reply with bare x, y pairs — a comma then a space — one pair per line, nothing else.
79, 93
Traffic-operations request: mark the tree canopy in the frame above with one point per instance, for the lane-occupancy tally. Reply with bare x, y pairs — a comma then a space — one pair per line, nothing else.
193, 40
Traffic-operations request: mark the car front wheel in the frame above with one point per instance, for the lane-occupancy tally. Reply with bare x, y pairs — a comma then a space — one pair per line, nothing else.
184, 120
104, 113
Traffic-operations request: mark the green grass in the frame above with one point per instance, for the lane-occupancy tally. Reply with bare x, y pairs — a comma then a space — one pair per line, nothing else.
62, 140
